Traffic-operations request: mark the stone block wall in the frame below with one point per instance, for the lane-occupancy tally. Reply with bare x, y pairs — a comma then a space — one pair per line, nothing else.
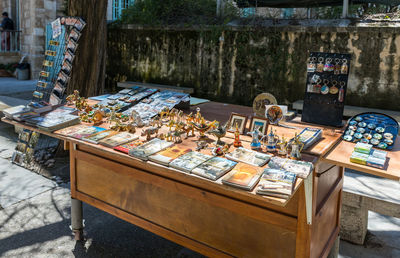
234, 64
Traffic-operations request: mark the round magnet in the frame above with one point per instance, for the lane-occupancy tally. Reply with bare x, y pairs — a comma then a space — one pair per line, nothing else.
348, 138
374, 141
367, 136
325, 89
363, 140
380, 129
333, 90
388, 136
358, 135
358, 118
360, 130
362, 124
382, 145
377, 136
388, 141
371, 126
349, 132
352, 127
352, 122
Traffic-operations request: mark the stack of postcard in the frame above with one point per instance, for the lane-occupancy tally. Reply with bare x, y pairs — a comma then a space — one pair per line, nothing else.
149, 148
309, 136
166, 156
52, 123
118, 139
127, 146
189, 161
277, 183
80, 131
248, 156
214, 168
243, 176
300, 168
97, 137
12, 111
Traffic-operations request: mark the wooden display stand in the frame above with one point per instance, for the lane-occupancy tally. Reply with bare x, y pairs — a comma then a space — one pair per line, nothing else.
207, 216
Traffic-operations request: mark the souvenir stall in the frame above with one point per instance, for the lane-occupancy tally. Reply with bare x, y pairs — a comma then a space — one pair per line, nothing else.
214, 177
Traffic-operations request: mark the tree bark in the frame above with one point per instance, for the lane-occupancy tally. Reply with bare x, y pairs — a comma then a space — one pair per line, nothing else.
88, 73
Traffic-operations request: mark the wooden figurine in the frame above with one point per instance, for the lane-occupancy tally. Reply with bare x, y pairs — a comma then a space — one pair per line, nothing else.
237, 142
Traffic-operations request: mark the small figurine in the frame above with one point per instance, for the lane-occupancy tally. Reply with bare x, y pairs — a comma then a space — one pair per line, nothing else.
220, 150
282, 146
168, 137
137, 120
97, 117
164, 113
188, 129
296, 148
272, 139
131, 128
176, 136
148, 132
237, 142
255, 143
219, 132
171, 124
156, 121
203, 127
201, 145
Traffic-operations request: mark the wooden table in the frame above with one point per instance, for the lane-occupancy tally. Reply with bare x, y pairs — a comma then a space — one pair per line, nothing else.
206, 216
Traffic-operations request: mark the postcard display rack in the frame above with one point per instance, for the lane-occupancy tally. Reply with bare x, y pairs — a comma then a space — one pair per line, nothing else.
62, 37
327, 78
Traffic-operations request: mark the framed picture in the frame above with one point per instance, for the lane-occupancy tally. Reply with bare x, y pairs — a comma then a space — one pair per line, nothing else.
261, 122
238, 119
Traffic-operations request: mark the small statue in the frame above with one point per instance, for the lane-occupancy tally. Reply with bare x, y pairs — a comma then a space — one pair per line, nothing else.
131, 128
176, 136
282, 147
137, 120
164, 112
148, 132
188, 129
296, 147
272, 139
220, 150
97, 117
237, 142
255, 143
203, 127
219, 132
201, 145
156, 121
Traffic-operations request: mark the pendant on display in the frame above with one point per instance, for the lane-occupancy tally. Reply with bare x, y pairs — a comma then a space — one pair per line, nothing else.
344, 69
328, 67
310, 88
325, 88
311, 65
338, 67
334, 89
341, 92
320, 65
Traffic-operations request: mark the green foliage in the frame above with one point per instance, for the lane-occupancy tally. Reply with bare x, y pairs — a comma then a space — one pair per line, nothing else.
9, 67
176, 12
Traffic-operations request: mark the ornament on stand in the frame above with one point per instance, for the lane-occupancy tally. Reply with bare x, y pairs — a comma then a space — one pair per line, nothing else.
237, 143
282, 147
200, 124
272, 140
255, 134
296, 147
219, 132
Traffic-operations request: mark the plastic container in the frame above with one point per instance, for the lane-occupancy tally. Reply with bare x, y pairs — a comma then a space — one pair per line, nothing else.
23, 71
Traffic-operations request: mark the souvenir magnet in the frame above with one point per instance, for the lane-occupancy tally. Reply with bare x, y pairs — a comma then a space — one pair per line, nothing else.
334, 89
337, 66
325, 88
311, 65
344, 69
320, 65
341, 92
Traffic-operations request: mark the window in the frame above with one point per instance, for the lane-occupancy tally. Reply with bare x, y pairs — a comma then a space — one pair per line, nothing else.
118, 6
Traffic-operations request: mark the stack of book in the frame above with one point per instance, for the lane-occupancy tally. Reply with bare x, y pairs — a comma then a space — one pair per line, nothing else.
189, 161
248, 156
168, 155
276, 183
243, 176
128, 146
364, 154
80, 131
300, 168
118, 139
153, 146
214, 168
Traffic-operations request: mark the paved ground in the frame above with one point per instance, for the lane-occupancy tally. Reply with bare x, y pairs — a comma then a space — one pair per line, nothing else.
35, 219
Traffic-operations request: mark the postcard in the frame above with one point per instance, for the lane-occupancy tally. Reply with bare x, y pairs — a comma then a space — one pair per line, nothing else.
214, 168
153, 146
166, 156
189, 161
95, 138
127, 146
243, 176
276, 181
248, 156
300, 168
118, 139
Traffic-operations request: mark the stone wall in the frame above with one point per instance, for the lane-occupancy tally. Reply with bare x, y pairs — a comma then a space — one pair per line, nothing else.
237, 63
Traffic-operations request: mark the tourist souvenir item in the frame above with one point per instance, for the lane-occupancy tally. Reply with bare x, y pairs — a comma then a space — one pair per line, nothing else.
309, 136
118, 139
341, 92
127, 146
189, 161
149, 148
276, 183
239, 120
219, 132
311, 65
80, 131
377, 129
274, 114
255, 134
237, 142
344, 69
166, 156
262, 124
338, 67
325, 87
320, 65
301, 168
333, 89
328, 67
248, 156
271, 141
243, 176
282, 147
296, 147
214, 168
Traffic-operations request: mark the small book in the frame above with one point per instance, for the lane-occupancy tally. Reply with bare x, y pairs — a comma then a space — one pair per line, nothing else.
166, 156
25, 116
189, 161
300, 168
86, 132
40, 107
68, 131
309, 136
249, 156
118, 139
12, 111
243, 176
127, 146
53, 123
95, 138
153, 146
214, 168
277, 183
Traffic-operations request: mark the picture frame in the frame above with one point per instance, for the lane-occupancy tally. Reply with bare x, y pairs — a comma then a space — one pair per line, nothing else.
237, 118
262, 122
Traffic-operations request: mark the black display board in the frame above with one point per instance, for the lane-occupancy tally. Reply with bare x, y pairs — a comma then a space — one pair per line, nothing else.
327, 77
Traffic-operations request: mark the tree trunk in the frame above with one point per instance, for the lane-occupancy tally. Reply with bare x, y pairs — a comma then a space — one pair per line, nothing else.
88, 73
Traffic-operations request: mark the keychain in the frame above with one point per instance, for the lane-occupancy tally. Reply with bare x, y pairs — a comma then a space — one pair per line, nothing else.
311, 65
320, 65
341, 91
338, 67
333, 89
325, 88
344, 69
328, 67
317, 86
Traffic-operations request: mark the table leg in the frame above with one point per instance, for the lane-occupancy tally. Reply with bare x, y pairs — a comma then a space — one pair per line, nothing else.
77, 218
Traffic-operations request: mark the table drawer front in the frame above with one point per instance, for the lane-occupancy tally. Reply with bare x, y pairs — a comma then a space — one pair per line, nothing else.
231, 226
